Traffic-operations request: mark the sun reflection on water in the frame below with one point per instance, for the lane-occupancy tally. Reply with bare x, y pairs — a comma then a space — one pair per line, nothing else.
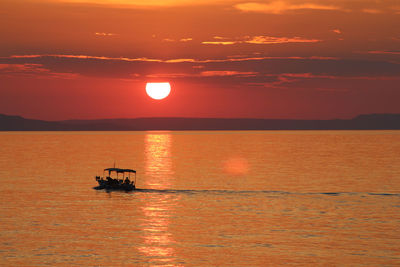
158, 207
158, 168
236, 166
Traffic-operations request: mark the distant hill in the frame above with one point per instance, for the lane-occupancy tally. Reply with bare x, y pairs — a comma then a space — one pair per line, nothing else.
362, 122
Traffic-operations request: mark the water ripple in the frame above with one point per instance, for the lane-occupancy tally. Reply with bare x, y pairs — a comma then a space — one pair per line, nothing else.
270, 192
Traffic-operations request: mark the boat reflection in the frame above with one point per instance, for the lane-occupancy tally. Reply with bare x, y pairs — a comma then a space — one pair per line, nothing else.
158, 207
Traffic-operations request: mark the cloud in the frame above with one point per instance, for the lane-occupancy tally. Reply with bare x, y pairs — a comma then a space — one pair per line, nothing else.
372, 11
295, 77
228, 73
147, 3
183, 40
279, 7
178, 60
306, 75
169, 75
168, 40
384, 52
211, 73
261, 39
278, 40
86, 57
144, 59
219, 70
186, 39
22, 67
24, 56
220, 42
33, 70
104, 34
307, 81
219, 37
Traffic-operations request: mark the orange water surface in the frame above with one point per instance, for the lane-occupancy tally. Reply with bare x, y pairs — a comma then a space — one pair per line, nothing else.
251, 198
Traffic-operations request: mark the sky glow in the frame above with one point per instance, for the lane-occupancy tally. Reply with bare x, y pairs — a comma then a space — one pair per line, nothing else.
258, 59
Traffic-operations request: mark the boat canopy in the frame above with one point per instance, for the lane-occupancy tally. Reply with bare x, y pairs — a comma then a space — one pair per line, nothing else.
118, 170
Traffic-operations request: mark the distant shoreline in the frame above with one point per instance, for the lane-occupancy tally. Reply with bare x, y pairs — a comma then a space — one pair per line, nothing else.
361, 122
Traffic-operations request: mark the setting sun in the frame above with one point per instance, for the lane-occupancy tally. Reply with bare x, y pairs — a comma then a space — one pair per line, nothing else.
158, 91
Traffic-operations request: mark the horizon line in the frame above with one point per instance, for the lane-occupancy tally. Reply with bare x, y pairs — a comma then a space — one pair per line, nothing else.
209, 118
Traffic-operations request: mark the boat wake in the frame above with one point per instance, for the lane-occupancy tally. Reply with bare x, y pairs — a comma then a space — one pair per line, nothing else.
267, 192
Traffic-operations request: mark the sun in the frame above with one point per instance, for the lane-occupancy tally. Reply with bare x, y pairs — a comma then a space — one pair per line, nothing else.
158, 91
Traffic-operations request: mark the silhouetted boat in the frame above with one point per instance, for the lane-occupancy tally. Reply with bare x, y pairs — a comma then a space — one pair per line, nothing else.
110, 183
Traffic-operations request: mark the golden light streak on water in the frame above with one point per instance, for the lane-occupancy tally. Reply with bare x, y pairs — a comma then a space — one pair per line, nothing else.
158, 164
157, 210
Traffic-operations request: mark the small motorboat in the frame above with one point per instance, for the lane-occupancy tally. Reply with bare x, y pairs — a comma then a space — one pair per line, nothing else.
110, 183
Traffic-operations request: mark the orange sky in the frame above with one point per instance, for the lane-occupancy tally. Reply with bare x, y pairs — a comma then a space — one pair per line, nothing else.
260, 59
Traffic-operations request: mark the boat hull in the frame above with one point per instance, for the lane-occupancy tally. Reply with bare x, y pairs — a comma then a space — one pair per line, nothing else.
104, 184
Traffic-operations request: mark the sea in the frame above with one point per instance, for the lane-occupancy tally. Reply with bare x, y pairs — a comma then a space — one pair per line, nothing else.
204, 198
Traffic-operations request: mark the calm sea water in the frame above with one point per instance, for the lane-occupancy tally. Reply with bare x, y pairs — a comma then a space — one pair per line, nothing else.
252, 198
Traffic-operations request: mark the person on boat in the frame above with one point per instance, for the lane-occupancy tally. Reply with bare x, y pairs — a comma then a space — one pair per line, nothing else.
127, 181
111, 181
